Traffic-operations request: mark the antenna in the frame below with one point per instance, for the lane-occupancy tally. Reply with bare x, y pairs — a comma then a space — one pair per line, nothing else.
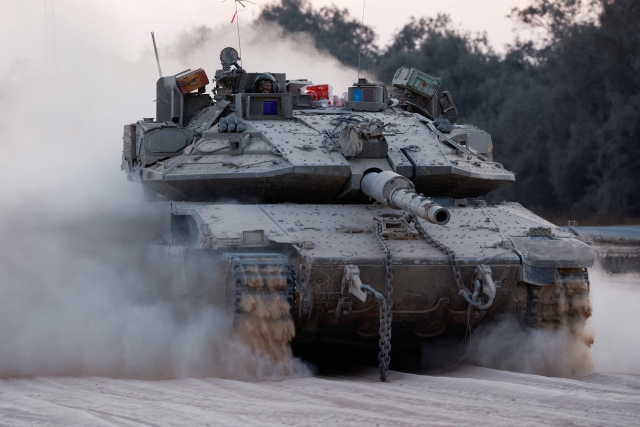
238, 26
364, 3
235, 15
153, 37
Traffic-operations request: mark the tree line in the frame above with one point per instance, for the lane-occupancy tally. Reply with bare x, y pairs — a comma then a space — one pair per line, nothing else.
563, 109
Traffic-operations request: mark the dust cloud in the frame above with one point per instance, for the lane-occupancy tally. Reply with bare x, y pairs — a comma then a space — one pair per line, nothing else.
84, 295
80, 291
609, 342
558, 347
267, 330
510, 346
615, 299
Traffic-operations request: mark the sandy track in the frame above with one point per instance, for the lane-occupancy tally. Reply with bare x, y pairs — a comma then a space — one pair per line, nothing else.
466, 396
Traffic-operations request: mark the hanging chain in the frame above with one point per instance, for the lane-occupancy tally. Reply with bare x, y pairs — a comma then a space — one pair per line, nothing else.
442, 248
472, 298
386, 315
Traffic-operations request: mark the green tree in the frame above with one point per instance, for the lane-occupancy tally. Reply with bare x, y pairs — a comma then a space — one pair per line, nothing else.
563, 110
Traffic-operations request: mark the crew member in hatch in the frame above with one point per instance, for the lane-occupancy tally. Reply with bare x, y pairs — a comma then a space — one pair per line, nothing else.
266, 83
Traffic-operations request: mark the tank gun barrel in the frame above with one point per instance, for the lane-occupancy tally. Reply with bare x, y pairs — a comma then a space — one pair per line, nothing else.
396, 191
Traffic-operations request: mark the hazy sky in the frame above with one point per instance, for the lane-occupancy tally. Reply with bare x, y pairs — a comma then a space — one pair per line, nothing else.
122, 27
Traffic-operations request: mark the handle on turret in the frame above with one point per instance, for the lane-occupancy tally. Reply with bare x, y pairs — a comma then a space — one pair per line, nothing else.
396, 191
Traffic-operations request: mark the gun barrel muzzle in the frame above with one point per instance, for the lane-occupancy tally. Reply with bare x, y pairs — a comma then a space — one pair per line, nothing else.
397, 191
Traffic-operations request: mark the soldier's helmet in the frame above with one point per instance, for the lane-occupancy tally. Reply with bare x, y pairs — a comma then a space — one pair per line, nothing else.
265, 83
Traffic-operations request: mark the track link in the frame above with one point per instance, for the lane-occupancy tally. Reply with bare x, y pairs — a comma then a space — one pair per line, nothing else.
261, 276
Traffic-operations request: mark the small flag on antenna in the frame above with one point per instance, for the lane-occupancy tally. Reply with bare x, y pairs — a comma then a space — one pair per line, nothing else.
241, 4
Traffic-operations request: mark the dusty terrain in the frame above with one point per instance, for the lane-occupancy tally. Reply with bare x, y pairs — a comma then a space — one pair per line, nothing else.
464, 395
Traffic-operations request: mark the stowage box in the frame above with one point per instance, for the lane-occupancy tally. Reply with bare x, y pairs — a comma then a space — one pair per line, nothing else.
416, 81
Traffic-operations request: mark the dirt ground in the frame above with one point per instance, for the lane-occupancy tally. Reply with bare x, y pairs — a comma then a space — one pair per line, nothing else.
468, 395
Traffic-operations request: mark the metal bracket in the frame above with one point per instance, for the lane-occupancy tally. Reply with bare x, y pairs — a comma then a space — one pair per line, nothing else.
238, 142
483, 274
396, 227
306, 244
344, 307
351, 281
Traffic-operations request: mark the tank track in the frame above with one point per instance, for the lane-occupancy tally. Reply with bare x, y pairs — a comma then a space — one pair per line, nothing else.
563, 304
261, 276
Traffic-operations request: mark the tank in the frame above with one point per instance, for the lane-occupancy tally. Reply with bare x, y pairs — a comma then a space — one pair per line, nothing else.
362, 218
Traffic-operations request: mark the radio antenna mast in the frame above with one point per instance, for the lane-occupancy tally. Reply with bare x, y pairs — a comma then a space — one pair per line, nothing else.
238, 26
364, 3
236, 16
156, 51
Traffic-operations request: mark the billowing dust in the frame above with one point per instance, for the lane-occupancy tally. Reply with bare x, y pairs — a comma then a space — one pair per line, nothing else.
80, 291
273, 275
559, 347
508, 345
86, 295
263, 321
567, 306
615, 299
266, 327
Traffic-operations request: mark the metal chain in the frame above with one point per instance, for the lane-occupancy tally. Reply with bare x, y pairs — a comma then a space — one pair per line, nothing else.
462, 290
386, 315
442, 248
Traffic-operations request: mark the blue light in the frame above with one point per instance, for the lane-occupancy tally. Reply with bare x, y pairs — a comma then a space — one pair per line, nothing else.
357, 95
270, 108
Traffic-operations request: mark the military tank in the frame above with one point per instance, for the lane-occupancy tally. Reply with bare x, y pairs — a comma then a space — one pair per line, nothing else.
364, 215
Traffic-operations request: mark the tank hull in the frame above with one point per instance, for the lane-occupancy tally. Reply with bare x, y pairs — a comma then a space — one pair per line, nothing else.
319, 241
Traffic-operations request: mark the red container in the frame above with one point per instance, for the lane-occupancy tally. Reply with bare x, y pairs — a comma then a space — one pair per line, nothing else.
317, 92
192, 80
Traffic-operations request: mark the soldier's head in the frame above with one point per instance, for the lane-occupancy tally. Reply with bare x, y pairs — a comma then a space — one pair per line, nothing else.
265, 83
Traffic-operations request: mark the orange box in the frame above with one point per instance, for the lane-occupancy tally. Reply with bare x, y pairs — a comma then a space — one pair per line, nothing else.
192, 80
